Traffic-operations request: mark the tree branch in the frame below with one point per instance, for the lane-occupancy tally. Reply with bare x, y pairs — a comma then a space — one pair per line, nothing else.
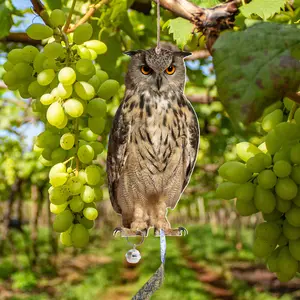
39, 9
200, 54
20, 37
294, 96
88, 14
203, 99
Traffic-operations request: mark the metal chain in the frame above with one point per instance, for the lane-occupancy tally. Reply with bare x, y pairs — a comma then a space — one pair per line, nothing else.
157, 49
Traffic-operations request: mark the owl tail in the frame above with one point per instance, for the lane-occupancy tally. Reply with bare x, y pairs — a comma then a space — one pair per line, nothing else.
156, 281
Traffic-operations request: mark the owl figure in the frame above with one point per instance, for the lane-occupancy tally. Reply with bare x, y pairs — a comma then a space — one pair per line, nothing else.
153, 143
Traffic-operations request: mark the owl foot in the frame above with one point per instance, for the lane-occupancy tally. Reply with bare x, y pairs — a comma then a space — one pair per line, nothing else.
180, 231
126, 232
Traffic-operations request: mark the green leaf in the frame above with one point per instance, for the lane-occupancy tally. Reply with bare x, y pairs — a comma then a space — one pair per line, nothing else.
5, 20
258, 70
53, 4
263, 8
206, 3
181, 30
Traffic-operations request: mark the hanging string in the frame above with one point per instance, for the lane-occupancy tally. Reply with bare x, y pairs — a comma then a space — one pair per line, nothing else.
157, 49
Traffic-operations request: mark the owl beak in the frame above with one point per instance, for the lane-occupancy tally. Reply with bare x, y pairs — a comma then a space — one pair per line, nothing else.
158, 81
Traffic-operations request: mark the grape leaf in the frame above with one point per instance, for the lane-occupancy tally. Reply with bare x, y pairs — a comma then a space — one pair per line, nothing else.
181, 30
258, 70
206, 3
263, 8
53, 4
5, 20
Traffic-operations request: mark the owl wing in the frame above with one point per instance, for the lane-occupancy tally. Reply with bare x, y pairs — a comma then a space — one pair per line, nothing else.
117, 153
192, 144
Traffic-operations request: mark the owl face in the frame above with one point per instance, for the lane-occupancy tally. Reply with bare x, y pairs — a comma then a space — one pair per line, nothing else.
159, 72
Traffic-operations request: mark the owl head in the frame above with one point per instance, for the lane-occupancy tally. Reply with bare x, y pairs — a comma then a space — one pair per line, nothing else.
158, 72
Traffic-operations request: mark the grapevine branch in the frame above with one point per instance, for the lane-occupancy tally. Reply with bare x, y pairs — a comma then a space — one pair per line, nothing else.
39, 9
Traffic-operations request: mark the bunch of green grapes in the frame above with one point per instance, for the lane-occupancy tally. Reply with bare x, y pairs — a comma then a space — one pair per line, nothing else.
267, 179
69, 93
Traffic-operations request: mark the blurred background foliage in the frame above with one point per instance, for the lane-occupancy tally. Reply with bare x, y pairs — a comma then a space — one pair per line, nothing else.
213, 262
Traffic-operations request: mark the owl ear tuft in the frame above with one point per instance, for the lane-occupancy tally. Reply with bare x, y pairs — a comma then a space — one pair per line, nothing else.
182, 54
132, 52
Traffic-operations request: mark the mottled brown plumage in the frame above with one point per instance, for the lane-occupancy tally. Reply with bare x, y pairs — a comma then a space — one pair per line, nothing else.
153, 143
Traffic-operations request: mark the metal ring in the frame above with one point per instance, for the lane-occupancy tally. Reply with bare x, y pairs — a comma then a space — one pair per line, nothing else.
140, 243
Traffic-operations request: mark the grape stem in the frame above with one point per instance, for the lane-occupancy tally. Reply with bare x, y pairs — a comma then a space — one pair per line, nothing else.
71, 158
292, 112
89, 13
77, 145
67, 25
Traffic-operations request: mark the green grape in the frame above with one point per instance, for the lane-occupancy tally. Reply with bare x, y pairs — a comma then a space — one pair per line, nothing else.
42, 140
64, 91
67, 76
269, 231
63, 124
108, 89
282, 277
75, 185
23, 90
293, 216
82, 33
273, 142
50, 63
10, 78
93, 54
84, 90
65, 237
97, 46
97, 107
226, 190
45, 77
272, 107
234, 171
47, 99
23, 70
93, 175
263, 248
76, 204
59, 195
290, 232
8, 66
95, 82
39, 31
245, 192
296, 200
83, 52
297, 116
39, 62
55, 114
286, 188
63, 221
287, 264
81, 176
85, 154
15, 56
294, 247
85, 67
88, 224
275, 215
88, 135
67, 141
264, 200
47, 153
267, 179
271, 120
246, 208
87, 194
90, 213
282, 205
295, 154
96, 124
73, 108
287, 131
282, 241
53, 50
246, 150
282, 168
282, 154
58, 155
36, 90
98, 194
103, 76
57, 209
57, 18
59, 179
98, 148
288, 103
295, 175
272, 261
79, 236
257, 163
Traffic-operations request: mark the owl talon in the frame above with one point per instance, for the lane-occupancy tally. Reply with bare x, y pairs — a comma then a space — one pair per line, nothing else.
126, 232
117, 230
180, 231
183, 231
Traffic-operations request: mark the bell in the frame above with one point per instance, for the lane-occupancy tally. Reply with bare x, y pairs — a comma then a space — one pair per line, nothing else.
133, 256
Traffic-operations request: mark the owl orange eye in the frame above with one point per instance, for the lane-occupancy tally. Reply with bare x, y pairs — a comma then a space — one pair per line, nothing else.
171, 70
146, 70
